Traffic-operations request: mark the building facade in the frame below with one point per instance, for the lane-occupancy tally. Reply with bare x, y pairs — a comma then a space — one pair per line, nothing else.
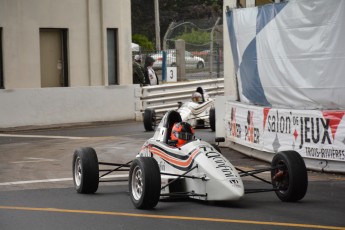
50, 49
47, 43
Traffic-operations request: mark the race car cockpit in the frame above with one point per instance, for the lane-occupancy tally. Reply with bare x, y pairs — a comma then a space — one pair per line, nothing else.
171, 118
202, 92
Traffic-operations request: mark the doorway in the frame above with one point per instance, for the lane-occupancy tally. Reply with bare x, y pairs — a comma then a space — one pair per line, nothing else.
53, 57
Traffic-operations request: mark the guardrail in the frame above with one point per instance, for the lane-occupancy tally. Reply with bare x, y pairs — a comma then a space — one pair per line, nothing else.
163, 98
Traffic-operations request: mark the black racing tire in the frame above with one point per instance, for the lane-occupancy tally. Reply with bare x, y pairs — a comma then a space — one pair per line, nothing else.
200, 65
85, 170
144, 183
217, 148
149, 119
212, 118
291, 177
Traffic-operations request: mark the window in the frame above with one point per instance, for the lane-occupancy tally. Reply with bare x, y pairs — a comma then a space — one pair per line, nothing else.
1, 69
112, 57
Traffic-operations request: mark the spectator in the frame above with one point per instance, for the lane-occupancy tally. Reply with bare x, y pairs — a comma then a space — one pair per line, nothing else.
138, 71
150, 75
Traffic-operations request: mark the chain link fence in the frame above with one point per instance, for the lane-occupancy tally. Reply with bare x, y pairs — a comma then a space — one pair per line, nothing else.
203, 57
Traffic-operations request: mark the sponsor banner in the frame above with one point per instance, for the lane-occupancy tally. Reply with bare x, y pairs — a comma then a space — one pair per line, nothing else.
318, 134
291, 54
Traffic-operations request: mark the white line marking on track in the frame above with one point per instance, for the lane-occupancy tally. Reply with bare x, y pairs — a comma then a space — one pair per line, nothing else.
105, 147
54, 180
33, 160
43, 136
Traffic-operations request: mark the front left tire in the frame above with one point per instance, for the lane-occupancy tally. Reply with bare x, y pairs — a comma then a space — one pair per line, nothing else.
289, 176
144, 182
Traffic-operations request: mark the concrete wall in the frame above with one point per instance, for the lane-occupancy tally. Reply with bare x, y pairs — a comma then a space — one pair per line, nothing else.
53, 106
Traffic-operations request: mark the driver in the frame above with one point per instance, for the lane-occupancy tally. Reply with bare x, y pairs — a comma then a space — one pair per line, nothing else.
182, 132
197, 98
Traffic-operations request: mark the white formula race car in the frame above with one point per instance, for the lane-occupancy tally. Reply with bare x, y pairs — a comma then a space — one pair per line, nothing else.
196, 170
197, 114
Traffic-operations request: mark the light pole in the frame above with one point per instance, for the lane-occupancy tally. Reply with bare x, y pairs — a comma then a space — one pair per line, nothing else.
157, 26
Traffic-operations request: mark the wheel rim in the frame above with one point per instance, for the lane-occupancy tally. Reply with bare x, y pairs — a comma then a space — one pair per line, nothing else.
281, 177
137, 183
77, 171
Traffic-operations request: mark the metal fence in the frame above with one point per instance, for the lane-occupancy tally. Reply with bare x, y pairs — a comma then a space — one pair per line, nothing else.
199, 64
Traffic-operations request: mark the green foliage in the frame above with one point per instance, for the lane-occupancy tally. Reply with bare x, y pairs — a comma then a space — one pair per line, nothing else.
195, 37
143, 42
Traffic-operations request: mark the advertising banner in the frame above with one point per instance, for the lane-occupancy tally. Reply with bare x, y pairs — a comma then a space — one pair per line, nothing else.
291, 54
312, 133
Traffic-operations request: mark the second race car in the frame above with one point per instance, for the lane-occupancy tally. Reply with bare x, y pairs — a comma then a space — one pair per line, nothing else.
199, 112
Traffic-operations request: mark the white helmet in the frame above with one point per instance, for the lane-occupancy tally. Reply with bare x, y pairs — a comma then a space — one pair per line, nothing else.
197, 97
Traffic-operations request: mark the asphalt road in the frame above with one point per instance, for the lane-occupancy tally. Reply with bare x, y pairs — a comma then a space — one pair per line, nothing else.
36, 188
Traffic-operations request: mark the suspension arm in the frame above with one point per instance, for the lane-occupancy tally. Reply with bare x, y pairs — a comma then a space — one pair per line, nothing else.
178, 177
253, 172
116, 169
247, 191
183, 194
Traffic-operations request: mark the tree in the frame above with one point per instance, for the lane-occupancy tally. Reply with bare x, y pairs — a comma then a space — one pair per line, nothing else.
143, 42
170, 10
196, 37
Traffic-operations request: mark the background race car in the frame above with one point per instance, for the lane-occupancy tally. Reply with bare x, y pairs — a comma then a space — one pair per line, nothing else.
199, 112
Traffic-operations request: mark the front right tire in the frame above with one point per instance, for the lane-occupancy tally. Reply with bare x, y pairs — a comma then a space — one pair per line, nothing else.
149, 119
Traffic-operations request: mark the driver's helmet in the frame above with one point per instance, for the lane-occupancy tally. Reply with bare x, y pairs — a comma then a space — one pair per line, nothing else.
197, 97
182, 132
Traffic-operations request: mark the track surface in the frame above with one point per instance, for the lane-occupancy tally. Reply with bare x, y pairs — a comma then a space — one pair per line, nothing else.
36, 189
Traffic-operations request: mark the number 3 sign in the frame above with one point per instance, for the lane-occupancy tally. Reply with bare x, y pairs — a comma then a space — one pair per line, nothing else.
171, 74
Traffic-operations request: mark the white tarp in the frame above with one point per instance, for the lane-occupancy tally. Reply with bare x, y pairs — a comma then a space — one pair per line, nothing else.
290, 55
312, 133
135, 47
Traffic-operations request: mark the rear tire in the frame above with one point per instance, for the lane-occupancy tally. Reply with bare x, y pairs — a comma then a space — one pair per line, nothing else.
212, 118
85, 170
200, 65
290, 177
216, 147
149, 119
144, 182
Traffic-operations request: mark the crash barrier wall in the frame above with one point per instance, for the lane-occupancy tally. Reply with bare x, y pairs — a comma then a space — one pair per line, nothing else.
24, 108
266, 43
163, 98
317, 135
